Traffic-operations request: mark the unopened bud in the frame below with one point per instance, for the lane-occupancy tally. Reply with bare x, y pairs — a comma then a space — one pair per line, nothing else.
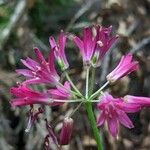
66, 131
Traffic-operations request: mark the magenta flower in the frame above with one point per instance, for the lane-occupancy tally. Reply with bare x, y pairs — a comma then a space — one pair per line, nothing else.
61, 92
103, 44
113, 111
66, 131
59, 50
136, 100
125, 67
25, 96
39, 71
95, 43
87, 44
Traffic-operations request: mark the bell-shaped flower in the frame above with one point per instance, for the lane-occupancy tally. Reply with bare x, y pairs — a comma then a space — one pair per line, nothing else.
40, 71
95, 43
125, 67
59, 50
25, 96
113, 111
87, 44
66, 131
138, 100
103, 44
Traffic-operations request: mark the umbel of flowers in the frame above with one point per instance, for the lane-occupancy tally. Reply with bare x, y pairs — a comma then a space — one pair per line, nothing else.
93, 45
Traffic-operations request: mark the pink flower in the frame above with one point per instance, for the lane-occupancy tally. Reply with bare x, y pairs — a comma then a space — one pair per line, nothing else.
113, 111
95, 43
125, 67
136, 100
87, 44
59, 50
39, 71
103, 44
66, 131
62, 92
25, 96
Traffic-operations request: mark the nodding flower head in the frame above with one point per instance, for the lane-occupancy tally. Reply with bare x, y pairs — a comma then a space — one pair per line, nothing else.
59, 50
113, 111
125, 67
40, 71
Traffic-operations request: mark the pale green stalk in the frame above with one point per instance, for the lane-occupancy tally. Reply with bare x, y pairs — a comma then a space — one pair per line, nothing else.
72, 84
98, 91
88, 106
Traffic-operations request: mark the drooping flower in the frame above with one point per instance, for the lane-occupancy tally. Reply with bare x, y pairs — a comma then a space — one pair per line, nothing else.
40, 71
66, 131
125, 67
113, 111
59, 50
95, 43
138, 100
103, 44
25, 96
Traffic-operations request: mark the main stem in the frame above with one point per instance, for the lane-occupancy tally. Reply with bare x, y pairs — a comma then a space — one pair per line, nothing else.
88, 106
92, 120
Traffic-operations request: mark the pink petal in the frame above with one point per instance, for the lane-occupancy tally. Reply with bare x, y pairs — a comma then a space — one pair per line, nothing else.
79, 43
89, 43
142, 101
62, 41
113, 126
33, 81
25, 72
52, 42
124, 119
30, 63
127, 107
40, 57
101, 119
29, 101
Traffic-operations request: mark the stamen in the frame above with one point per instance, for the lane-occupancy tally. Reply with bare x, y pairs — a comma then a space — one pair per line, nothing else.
100, 43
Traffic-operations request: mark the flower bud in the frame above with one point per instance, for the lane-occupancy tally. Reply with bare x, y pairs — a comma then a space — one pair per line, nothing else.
66, 131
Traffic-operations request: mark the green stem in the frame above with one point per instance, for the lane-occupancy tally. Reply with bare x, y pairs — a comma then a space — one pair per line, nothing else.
92, 81
87, 83
73, 92
92, 120
98, 91
72, 84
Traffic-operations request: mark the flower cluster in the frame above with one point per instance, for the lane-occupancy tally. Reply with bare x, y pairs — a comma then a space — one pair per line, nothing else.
96, 41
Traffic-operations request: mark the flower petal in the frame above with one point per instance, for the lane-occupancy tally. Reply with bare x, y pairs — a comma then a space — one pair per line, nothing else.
101, 119
124, 119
